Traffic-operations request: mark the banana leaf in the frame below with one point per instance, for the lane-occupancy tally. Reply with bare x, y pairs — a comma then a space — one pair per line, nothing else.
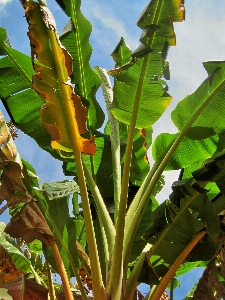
20, 100
52, 82
65, 227
75, 38
205, 137
139, 80
176, 222
22, 263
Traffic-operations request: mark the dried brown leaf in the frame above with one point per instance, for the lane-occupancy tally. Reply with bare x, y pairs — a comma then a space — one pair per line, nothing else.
8, 270
12, 188
29, 224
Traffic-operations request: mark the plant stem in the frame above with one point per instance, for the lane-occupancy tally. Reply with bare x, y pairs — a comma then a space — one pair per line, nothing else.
50, 283
35, 274
98, 288
131, 226
60, 238
114, 137
102, 211
62, 271
116, 275
158, 291
132, 282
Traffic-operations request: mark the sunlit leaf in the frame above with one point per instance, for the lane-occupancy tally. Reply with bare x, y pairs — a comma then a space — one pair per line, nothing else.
140, 78
75, 37
52, 81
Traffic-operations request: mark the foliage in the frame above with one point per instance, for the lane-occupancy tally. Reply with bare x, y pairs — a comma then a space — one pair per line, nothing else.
117, 235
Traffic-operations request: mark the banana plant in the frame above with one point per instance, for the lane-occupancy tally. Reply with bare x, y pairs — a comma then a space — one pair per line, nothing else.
118, 235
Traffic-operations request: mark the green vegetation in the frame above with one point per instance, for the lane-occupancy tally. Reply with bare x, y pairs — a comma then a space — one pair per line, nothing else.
118, 235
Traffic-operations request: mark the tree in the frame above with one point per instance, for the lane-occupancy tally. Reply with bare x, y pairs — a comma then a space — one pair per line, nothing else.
128, 236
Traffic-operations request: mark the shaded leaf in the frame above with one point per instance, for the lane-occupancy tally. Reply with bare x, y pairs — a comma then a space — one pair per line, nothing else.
8, 270
29, 224
21, 262
178, 224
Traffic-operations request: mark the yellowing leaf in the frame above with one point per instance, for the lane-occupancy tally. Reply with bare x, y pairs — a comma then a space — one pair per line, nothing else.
53, 83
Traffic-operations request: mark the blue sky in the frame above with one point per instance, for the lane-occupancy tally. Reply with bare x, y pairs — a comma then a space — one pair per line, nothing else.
200, 38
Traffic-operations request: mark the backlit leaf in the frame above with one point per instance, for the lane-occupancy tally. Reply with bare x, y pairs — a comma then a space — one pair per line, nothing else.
140, 78
52, 81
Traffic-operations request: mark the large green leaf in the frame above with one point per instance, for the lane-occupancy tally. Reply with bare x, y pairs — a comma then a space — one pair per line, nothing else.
139, 81
189, 152
176, 222
20, 100
75, 37
209, 96
200, 117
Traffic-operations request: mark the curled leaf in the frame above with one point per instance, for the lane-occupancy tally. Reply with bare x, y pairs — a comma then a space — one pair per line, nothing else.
29, 224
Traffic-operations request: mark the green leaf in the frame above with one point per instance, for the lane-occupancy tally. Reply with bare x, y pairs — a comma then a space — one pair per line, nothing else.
75, 37
139, 81
66, 229
121, 54
20, 100
21, 262
189, 152
60, 189
210, 97
175, 223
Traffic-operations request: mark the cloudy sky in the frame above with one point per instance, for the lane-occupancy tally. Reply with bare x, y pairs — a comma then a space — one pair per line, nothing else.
200, 38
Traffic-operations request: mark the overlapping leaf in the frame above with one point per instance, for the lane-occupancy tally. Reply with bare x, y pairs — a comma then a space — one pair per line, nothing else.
21, 262
66, 228
204, 109
75, 37
52, 81
140, 79
12, 188
176, 222
20, 100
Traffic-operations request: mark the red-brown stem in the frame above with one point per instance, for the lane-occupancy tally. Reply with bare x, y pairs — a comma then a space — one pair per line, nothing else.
170, 274
62, 271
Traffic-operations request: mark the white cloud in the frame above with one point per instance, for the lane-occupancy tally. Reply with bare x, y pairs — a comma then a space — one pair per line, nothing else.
3, 4
117, 26
199, 38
